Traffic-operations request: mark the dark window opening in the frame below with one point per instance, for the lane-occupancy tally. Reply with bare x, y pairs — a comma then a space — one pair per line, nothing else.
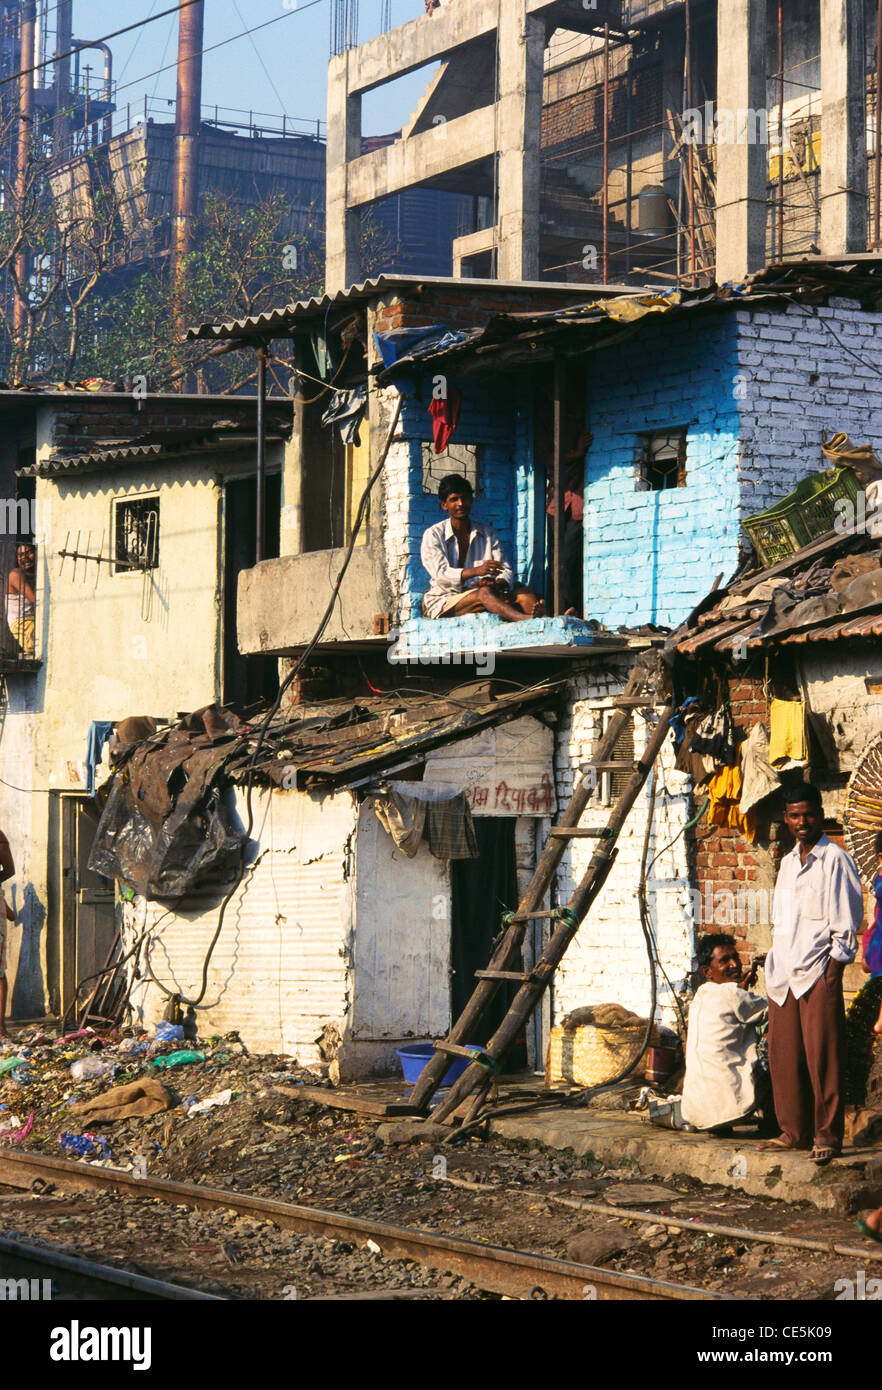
663, 459
247, 679
136, 534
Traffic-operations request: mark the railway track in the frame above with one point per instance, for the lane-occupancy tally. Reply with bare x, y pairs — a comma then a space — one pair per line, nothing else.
516, 1273
33, 1272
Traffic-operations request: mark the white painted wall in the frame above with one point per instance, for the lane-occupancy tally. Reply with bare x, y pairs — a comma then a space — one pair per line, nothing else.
607, 962
280, 971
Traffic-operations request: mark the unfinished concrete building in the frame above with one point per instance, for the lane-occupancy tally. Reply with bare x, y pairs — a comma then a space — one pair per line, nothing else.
623, 141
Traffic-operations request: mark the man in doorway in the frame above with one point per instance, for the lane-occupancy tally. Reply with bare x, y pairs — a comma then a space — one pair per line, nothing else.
725, 1082
467, 566
21, 598
817, 909
7, 870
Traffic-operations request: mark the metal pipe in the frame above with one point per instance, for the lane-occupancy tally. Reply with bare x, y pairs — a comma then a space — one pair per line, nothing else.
605, 212
780, 130
63, 44
629, 167
22, 165
260, 511
558, 484
691, 161
104, 48
877, 230
191, 25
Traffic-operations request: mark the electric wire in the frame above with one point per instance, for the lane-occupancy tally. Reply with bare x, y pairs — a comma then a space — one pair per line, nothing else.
117, 33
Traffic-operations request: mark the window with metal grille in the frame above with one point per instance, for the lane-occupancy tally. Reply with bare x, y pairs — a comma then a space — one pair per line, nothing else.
136, 534
663, 459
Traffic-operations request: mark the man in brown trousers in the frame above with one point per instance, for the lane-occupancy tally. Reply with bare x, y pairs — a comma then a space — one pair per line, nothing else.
817, 909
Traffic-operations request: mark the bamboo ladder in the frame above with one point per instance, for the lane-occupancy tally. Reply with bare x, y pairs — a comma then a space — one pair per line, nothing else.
639, 691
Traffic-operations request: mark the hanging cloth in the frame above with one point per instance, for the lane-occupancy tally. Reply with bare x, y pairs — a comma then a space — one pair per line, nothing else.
724, 790
787, 740
99, 732
346, 409
715, 737
758, 777
445, 418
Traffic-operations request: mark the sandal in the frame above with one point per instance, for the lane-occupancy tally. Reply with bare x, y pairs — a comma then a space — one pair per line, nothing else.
779, 1143
822, 1156
866, 1230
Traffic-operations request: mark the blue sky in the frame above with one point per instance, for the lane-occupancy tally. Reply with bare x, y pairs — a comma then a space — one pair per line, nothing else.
294, 54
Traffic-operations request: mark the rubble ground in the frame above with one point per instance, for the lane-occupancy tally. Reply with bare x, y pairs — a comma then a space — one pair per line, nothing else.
269, 1142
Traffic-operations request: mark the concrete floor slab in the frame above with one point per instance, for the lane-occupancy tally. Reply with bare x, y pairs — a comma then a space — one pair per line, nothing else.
616, 1137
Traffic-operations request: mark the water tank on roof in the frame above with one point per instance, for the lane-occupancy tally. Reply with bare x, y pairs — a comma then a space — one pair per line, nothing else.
653, 213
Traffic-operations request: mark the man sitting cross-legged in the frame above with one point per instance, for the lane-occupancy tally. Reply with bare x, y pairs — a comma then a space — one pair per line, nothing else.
725, 1081
467, 566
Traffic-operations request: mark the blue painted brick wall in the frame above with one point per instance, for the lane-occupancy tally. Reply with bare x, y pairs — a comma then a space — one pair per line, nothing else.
650, 556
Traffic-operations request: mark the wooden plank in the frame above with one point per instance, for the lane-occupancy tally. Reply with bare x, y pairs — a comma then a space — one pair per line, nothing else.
345, 1100
517, 975
577, 832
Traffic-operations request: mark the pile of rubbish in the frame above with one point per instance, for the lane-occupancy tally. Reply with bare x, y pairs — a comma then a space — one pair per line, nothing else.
112, 1098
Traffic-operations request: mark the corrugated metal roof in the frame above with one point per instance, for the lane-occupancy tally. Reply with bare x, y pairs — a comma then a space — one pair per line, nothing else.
275, 322
188, 445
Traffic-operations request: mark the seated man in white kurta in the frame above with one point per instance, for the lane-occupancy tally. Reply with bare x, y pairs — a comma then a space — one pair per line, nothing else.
725, 1081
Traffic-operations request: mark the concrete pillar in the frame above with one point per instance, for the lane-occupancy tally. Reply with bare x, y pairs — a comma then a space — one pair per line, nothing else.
521, 53
742, 163
843, 128
343, 224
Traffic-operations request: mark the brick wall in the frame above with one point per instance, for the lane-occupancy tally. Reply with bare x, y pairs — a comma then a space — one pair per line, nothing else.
804, 372
82, 423
650, 556
725, 862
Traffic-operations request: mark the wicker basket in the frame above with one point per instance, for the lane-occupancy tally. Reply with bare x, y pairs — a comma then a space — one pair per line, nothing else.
800, 518
590, 1054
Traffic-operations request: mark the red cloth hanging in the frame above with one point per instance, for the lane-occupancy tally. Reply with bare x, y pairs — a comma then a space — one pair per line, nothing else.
445, 418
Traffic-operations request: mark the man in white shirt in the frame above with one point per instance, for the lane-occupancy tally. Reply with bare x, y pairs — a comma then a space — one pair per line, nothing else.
725, 1081
467, 565
817, 909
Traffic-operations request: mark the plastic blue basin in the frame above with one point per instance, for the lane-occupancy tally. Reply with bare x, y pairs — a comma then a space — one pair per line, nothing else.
414, 1057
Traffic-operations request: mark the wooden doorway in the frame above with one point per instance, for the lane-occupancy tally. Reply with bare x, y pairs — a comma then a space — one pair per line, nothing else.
88, 913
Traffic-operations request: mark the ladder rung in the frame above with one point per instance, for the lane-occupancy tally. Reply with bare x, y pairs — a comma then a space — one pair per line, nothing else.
455, 1050
501, 975
610, 767
531, 916
632, 701
577, 832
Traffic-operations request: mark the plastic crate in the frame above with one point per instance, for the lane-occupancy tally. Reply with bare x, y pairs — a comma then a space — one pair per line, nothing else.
802, 517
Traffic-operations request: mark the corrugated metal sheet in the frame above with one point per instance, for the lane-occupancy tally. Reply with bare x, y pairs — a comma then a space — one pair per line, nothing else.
401, 976
275, 322
280, 970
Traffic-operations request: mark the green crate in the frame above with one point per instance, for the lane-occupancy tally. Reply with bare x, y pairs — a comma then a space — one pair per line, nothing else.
802, 517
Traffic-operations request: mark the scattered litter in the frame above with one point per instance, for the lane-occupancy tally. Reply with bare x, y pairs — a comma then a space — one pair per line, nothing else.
9, 1064
176, 1059
8, 1122
89, 1069
84, 1145
169, 1032
210, 1103
16, 1136
374, 1248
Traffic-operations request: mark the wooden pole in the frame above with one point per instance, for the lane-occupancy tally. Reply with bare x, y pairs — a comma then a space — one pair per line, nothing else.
877, 154
605, 191
558, 483
22, 171
260, 539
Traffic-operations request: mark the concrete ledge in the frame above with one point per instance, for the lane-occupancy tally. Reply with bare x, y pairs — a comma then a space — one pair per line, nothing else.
846, 1185
425, 641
